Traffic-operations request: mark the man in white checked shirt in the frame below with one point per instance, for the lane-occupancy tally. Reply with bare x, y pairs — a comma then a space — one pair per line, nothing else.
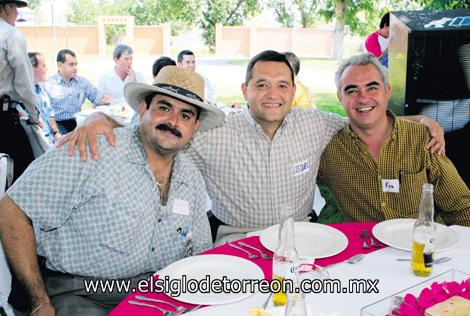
139, 208
262, 159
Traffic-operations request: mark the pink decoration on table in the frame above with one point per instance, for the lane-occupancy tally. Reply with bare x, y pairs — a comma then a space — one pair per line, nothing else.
437, 293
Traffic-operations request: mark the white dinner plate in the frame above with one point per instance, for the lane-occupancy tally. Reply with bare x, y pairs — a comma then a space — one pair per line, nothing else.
397, 233
216, 266
312, 240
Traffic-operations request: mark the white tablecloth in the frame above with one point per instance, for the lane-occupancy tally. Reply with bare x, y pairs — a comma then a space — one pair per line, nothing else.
122, 113
394, 276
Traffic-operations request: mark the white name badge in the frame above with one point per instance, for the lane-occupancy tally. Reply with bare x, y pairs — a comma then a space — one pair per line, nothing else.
301, 168
181, 207
391, 185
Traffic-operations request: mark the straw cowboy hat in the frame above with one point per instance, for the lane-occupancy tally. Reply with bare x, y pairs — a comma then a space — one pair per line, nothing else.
19, 3
181, 84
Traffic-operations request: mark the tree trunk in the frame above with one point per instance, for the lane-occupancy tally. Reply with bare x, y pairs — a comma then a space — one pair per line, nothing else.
338, 34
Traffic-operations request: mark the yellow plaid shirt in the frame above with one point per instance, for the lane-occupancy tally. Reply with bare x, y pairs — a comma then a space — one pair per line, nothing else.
356, 179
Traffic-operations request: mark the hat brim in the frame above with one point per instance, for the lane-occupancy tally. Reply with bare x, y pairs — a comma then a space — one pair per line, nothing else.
20, 4
209, 117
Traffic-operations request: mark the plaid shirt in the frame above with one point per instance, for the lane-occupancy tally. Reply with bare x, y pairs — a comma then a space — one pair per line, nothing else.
104, 218
67, 97
356, 179
250, 177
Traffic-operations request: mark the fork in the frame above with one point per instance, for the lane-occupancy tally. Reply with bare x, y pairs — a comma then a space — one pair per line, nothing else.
179, 309
372, 242
263, 255
163, 311
364, 243
250, 255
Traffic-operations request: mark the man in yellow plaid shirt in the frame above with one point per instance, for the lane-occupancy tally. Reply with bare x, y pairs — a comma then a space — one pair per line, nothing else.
376, 165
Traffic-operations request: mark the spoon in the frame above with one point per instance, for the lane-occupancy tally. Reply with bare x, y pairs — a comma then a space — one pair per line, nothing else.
437, 261
354, 259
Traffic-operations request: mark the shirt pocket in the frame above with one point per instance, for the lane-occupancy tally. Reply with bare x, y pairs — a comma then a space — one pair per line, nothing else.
411, 183
121, 227
175, 239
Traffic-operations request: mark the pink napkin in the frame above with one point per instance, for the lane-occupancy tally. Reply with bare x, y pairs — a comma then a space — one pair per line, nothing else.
351, 230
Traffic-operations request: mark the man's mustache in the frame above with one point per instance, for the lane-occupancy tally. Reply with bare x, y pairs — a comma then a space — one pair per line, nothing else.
168, 127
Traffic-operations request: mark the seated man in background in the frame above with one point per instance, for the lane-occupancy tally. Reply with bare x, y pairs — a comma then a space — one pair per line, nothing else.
187, 60
303, 97
161, 62
112, 83
51, 130
376, 166
67, 91
95, 223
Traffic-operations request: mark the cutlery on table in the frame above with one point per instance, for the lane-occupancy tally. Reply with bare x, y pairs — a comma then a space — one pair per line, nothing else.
148, 299
437, 261
373, 244
263, 255
163, 311
364, 243
250, 255
354, 259
265, 304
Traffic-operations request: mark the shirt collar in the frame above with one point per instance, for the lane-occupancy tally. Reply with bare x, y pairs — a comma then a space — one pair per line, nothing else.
252, 122
58, 78
136, 154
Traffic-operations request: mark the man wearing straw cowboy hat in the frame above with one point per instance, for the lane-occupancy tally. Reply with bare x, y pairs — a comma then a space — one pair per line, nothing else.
103, 219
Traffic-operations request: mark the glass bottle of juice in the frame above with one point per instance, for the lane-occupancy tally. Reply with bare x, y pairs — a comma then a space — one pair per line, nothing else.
424, 234
285, 258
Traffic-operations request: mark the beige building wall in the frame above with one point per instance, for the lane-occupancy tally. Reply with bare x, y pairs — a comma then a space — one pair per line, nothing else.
153, 40
248, 41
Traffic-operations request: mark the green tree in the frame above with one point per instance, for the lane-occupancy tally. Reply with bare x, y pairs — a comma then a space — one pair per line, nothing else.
307, 10
445, 4
34, 4
301, 11
354, 14
227, 12
284, 11
182, 14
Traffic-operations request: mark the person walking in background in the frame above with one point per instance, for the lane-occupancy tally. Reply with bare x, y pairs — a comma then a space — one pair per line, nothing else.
16, 89
377, 42
51, 130
303, 97
112, 83
67, 91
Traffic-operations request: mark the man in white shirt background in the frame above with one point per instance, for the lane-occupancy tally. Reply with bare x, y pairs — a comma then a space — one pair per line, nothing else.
112, 83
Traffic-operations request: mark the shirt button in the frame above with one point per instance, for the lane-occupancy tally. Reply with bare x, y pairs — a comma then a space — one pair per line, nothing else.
153, 249
383, 204
159, 220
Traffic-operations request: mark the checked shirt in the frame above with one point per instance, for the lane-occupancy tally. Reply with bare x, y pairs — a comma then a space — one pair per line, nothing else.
104, 218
